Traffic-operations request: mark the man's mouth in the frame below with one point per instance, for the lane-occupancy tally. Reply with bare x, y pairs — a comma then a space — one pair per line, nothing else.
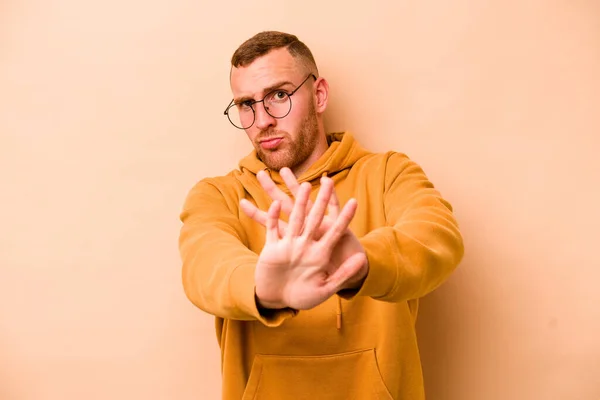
270, 143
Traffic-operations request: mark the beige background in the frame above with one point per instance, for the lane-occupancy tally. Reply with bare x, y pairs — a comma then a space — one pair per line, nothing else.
110, 111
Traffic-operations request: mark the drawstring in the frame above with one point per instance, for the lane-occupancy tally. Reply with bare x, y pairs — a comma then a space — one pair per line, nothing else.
339, 312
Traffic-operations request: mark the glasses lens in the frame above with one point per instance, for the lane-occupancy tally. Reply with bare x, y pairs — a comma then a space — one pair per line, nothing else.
241, 117
278, 104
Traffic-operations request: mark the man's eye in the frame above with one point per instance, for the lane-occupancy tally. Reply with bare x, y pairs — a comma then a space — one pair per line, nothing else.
246, 104
280, 95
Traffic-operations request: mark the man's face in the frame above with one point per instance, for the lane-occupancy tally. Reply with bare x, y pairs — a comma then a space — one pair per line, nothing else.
279, 142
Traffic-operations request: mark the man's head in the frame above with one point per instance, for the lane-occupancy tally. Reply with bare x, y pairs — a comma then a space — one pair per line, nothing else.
279, 100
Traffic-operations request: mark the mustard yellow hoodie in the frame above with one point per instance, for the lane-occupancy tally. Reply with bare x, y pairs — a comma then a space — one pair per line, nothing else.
358, 344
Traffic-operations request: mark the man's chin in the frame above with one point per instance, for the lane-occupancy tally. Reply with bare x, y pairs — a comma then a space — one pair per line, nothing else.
276, 161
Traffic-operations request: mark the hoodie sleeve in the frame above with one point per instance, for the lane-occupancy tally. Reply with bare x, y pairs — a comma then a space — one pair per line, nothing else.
218, 267
419, 246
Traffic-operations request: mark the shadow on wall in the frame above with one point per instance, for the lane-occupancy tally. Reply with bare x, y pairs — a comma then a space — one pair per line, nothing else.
452, 325
438, 329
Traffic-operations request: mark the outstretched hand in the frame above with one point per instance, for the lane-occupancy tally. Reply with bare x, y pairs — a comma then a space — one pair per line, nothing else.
313, 256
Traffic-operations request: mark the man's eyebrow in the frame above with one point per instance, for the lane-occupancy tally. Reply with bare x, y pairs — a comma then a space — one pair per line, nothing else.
264, 91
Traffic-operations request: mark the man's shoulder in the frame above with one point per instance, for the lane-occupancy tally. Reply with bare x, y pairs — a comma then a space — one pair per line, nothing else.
382, 158
227, 183
228, 179
214, 192
385, 167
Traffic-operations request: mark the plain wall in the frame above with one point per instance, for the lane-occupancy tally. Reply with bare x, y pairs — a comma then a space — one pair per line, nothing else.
110, 111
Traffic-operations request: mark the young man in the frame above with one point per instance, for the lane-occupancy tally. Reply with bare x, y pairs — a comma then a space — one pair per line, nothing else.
313, 254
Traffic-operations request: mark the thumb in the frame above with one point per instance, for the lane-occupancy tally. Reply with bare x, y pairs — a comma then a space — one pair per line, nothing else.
350, 267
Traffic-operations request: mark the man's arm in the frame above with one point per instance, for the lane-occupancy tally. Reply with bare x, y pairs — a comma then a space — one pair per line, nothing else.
218, 267
421, 245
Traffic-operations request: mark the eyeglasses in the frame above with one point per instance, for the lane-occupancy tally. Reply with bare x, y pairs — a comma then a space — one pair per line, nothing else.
277, 103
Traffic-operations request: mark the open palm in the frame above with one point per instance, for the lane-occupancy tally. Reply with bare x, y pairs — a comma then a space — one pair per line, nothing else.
307, 260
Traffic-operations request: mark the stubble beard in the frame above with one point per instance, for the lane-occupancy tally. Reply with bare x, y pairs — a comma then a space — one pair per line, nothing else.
291, 153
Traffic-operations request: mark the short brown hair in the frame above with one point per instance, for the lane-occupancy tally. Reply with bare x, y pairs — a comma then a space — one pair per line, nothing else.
263, 42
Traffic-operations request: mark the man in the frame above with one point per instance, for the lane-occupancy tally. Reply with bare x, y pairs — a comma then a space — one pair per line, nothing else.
313, 254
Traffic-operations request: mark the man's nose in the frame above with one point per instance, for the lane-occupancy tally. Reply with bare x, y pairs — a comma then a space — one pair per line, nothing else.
263, 118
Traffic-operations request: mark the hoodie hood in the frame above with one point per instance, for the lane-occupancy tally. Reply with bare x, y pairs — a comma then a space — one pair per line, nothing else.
342, 153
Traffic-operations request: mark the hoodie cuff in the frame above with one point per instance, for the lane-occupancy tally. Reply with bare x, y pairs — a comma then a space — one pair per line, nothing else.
244, 296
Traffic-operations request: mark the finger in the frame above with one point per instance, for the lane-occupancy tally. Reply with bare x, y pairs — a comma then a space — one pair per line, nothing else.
253, 212
260, 216
291, 182
272, 222
290, 179
349, 268
298, 214
337, 230
317, 212
274, 192
333, 208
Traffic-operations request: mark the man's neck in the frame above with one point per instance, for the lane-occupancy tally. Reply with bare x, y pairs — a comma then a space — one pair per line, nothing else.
313, 158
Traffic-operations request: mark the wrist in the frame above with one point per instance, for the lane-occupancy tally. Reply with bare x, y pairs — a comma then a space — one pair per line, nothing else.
262, 304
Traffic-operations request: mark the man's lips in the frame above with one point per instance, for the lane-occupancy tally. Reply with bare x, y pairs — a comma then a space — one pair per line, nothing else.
270, 143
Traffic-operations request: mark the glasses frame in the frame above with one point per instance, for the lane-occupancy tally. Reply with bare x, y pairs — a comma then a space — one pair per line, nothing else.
290, 94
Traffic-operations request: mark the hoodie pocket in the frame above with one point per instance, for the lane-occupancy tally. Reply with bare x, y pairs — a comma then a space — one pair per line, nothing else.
343, 376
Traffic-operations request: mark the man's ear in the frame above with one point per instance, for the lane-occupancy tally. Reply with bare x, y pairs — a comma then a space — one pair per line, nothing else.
321, 94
